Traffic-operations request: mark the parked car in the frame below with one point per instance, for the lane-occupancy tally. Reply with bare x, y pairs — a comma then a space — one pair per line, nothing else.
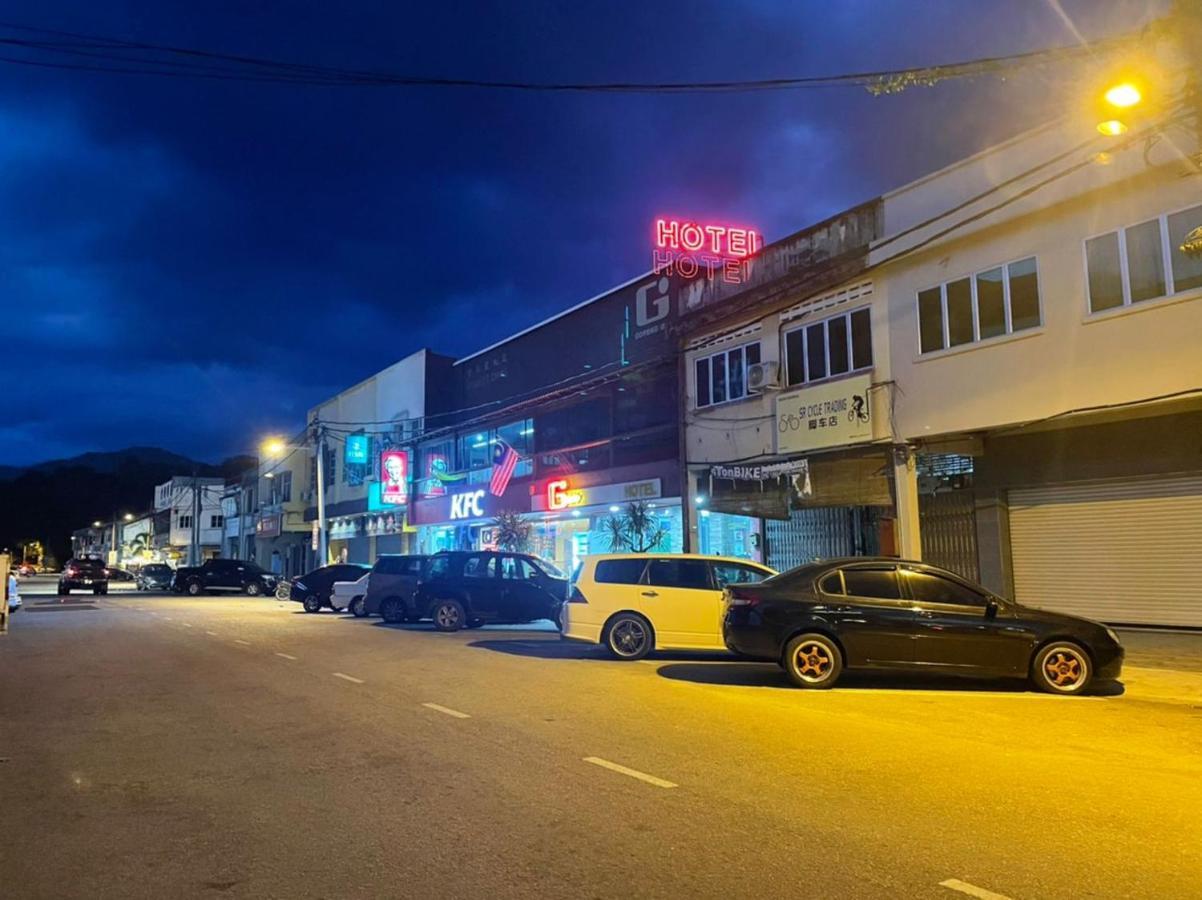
820, 620
223, 575
116, 574
460, 589
155, 577
349, 595
313, 589
392, 587
636, 603
26, 570
83, 574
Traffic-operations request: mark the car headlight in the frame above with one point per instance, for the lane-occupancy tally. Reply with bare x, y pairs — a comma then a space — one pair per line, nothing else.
1114, 636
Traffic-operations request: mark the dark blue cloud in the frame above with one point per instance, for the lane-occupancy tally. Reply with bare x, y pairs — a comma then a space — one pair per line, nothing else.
191, 263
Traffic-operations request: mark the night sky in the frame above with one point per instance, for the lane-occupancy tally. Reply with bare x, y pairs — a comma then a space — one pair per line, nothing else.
193, 264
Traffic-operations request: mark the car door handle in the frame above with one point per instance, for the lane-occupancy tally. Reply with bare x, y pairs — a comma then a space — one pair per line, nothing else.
650, 594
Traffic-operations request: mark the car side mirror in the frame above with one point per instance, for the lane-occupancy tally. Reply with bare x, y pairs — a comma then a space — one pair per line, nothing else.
991, 608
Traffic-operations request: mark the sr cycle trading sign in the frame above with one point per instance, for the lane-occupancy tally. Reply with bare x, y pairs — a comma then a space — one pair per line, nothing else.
830, 414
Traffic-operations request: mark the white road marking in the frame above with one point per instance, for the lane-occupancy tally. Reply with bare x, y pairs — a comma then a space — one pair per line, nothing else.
285, 656
633, 773
187, 624
242, 642
446, 709
955, 884
349, 678
213, 633
168, 619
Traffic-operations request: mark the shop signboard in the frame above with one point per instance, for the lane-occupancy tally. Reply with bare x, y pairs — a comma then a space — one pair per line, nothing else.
764, 491
831, 414
394, 477
465, 504
268, 526
564, 493
356, 448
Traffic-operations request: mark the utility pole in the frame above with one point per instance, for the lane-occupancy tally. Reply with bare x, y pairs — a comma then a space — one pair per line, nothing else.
322, 547
194, 545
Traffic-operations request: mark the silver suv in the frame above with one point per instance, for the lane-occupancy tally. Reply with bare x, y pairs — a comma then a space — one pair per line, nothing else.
390, 589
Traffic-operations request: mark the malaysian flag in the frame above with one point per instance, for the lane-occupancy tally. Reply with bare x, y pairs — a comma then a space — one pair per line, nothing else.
504, 461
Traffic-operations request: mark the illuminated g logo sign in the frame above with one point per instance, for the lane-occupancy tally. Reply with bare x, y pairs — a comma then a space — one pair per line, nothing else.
643, 314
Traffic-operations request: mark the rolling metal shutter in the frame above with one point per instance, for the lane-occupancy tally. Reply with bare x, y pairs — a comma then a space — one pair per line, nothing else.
1118, 551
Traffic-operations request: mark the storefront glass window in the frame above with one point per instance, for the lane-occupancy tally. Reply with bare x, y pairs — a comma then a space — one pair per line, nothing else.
721, 534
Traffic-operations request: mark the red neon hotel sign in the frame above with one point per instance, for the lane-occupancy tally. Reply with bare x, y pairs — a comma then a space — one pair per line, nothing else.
687, 248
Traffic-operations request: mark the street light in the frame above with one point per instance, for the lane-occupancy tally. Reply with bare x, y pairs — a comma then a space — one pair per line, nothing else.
97, 524
1123, 95
274, 447
129, 517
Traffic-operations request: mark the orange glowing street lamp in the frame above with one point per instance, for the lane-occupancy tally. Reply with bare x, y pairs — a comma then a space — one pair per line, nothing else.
1121, 96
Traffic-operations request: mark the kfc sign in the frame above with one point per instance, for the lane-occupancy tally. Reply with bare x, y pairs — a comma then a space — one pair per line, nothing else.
687, 248
394, 476
468, 505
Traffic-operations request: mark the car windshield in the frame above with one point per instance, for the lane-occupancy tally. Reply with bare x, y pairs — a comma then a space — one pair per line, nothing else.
549, 567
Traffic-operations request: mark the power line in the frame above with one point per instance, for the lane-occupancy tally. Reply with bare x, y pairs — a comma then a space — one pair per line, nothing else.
143, 58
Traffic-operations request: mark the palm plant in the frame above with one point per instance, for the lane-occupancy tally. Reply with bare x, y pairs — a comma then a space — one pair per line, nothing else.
636, 529
512, 531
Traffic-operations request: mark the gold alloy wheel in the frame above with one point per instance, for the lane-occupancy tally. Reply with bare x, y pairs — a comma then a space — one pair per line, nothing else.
1065, 668
813, 662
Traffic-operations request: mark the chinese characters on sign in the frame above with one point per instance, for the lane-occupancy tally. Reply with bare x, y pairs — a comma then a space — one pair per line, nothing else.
825, 415
690, 248
394, 476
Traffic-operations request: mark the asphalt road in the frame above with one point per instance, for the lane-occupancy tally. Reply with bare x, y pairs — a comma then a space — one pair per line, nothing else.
177, 747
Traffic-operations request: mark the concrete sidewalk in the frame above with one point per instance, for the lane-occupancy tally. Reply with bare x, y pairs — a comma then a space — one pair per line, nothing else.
1178, 650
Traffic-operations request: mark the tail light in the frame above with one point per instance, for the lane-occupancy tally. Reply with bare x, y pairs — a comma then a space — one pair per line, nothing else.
575, 596
72, 571
741, 596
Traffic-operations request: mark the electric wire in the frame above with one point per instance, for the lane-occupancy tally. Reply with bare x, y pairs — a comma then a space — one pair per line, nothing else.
145, 58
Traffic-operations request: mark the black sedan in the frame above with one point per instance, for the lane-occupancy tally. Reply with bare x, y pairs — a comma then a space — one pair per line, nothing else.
313, 589
867, 613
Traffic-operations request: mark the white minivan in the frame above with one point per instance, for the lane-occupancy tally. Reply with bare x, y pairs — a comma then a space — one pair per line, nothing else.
636, 603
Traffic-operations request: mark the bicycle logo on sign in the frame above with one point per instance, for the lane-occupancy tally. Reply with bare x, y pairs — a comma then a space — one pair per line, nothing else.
859, 408
788, 422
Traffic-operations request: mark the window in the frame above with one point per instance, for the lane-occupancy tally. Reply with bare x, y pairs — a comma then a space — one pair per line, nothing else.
997, 301
723, 376
475, 450
878, 583
438, 567
283, 484
216, 521
620, 571
928, 588
679, 573
518, 568
480, 566
185, 521
829, 347
832, 584
734, 573
1142, 262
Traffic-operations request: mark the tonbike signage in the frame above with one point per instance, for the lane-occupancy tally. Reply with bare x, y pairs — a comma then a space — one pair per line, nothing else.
763, 472
563, 493
830, 414
686, 248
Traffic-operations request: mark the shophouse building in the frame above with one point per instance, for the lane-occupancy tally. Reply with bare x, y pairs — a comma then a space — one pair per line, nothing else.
377, 419
282, 538
184, 505
1002, 374
1046, 346
564, 424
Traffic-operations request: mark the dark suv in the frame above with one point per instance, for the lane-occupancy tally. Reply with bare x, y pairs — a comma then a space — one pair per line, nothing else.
462, 589
224, 575
83, 574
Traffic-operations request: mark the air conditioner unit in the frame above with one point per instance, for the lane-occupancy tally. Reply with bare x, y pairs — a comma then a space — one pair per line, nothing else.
762, 377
